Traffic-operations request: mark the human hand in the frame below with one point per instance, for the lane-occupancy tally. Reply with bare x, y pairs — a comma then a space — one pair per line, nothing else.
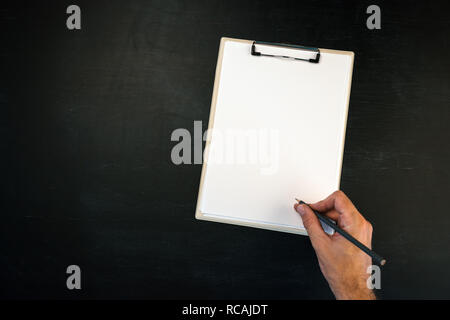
343, 264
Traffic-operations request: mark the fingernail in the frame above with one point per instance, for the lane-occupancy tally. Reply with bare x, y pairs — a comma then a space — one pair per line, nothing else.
301, 209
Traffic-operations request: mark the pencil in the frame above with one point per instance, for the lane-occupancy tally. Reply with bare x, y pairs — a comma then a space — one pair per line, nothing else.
376, 257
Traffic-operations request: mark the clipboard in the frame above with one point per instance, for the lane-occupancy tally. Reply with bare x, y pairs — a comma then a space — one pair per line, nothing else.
301, 95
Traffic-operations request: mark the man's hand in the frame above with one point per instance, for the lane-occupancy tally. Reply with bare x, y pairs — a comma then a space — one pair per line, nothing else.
342, 263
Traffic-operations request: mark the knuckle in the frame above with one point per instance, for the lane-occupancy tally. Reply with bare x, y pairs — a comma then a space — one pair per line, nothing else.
339, 194
306, 221
369, 226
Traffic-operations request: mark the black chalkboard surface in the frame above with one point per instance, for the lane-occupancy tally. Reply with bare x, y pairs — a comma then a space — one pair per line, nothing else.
87, 177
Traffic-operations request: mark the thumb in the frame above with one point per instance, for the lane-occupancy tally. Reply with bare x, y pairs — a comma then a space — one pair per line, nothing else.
311, 224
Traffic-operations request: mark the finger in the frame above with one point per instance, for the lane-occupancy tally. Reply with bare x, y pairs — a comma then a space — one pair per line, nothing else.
337, 201
312, 225
332, 214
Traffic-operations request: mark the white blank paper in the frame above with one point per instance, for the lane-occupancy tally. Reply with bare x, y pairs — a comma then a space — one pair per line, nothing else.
304, 107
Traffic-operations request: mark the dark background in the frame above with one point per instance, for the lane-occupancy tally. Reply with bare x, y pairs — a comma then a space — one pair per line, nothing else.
86, 175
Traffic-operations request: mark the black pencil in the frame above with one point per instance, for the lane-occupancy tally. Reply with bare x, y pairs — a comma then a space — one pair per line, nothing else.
376, 257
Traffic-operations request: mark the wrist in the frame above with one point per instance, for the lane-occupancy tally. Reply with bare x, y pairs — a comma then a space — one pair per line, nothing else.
355, 294
354, 289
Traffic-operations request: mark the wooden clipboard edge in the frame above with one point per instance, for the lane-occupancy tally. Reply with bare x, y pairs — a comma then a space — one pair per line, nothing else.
198, 214
206, 217
351, 54
212, 112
